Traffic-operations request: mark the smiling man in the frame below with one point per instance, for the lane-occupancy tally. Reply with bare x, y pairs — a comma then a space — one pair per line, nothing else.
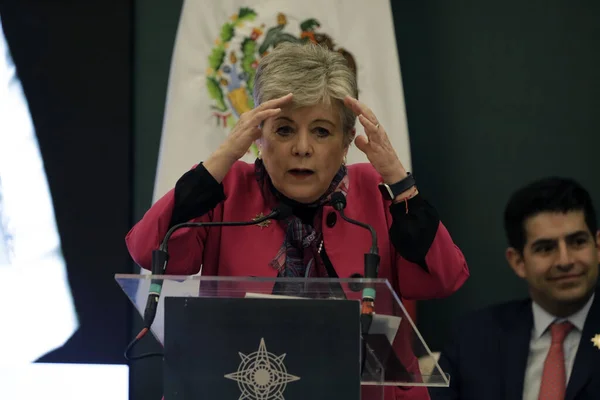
548, 346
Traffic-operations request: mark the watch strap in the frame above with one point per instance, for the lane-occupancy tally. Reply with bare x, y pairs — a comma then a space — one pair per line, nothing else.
391, 191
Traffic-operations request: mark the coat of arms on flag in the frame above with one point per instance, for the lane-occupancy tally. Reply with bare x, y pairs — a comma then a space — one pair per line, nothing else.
242, 41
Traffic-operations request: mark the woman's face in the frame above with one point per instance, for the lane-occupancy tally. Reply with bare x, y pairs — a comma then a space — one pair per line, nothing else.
302, 149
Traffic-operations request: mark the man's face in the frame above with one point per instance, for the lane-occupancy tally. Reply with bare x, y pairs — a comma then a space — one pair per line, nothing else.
559, 260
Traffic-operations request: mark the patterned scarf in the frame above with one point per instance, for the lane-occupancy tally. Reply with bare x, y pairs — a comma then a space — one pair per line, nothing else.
298, 255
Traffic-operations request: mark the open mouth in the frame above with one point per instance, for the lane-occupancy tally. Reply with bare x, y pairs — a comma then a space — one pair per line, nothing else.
301, 172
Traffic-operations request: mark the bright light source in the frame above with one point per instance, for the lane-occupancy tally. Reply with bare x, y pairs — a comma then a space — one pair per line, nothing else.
65, 382
37, 314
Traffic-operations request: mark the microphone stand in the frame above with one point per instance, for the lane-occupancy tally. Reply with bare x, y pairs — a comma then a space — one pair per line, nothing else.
160, 258
371, 262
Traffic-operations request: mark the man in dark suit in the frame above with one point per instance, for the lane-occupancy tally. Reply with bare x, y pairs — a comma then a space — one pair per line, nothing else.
548, 346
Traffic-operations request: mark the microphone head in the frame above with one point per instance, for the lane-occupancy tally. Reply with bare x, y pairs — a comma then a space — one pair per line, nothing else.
283, 211
338, 201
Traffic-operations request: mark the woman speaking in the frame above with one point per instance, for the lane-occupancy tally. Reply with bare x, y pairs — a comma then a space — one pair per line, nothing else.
303, 122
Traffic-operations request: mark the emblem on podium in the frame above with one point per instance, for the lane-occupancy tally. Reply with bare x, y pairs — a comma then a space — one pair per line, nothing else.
262, 375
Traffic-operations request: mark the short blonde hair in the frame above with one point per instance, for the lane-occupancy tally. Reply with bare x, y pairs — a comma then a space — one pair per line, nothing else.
313, 73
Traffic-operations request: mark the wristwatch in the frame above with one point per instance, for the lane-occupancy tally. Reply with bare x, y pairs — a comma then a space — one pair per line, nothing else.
390, 192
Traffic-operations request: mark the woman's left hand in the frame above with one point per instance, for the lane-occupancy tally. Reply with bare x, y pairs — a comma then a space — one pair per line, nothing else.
376, 144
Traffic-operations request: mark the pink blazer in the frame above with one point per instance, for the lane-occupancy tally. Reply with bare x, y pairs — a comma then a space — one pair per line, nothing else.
247, 251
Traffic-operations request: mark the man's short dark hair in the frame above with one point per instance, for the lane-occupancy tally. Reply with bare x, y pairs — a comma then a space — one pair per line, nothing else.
552, 194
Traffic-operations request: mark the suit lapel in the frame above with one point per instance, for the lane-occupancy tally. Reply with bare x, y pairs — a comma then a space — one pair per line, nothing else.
587, 358
515, 350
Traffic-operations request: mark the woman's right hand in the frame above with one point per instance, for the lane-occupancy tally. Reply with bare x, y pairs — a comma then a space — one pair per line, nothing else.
244, 133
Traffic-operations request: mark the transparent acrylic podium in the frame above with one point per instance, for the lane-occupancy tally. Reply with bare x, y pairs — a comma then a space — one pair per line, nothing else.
404, 359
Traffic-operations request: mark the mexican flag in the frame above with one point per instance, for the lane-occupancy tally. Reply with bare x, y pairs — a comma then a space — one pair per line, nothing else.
217, 49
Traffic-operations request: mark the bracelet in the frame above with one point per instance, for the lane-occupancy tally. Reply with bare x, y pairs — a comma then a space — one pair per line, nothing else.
407, 198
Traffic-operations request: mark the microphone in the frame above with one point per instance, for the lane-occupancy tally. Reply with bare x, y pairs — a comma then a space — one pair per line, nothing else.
160, 258
338, 201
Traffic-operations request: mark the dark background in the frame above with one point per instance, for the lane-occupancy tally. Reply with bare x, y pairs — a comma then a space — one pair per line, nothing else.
497, 94
74, 60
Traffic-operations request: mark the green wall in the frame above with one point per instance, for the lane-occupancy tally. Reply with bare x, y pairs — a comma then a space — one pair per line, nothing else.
497, 94
154, 37
155, 27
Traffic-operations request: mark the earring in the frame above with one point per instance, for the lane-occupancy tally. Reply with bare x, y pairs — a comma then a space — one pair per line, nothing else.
345, 160
259, 155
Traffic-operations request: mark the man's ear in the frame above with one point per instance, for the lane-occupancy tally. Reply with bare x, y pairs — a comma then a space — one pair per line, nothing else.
516, 261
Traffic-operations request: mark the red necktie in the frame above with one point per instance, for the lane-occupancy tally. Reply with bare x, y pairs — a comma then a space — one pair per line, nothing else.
554, 377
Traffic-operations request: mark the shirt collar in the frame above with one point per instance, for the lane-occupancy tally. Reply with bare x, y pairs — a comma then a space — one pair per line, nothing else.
542, 318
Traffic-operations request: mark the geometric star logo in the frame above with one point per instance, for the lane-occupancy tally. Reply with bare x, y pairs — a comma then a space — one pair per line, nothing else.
262, 375
596, 341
